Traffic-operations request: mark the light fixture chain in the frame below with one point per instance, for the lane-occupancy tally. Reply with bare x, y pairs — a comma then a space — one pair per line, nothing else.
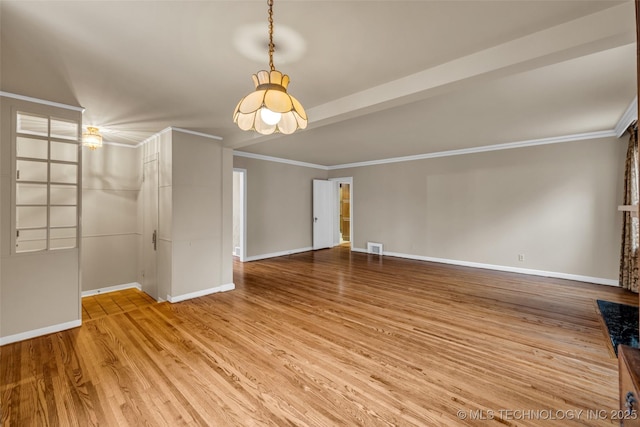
271, 45
271, 114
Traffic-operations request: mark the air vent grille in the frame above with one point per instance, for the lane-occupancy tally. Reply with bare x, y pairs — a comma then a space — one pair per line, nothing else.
374, 248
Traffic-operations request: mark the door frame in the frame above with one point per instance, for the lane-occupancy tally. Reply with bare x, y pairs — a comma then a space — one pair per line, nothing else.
243, 213
344, 180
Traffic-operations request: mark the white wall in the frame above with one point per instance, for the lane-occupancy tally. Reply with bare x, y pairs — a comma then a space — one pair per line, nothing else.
111, 235
195, 214
279, 206
202, 174
39, 291
556, 204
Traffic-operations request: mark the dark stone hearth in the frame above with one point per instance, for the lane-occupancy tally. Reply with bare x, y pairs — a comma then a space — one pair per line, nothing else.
622, 323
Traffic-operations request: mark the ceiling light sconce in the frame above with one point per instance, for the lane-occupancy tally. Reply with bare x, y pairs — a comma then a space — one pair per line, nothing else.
270, 108
92, 138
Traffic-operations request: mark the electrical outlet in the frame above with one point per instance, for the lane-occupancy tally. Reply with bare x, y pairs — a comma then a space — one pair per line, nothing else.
520, 257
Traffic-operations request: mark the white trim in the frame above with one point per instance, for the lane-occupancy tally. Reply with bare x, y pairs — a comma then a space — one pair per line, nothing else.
627, 118
482, 149
557, 275
448, 153
277, 254
114, 288
42, 101
354, 249
191, 295
39, 332
119, 144
243, 226
165, 130
279, 160
171, 128
193, 132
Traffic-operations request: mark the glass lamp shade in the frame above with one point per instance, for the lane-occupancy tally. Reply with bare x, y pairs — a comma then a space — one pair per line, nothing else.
270, 94
91, 138
270, 117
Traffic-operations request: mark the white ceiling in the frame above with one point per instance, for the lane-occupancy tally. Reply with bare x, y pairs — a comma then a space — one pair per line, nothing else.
378, 79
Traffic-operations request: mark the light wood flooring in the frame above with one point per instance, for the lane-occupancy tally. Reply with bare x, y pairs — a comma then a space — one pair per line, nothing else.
330, 338
101, 305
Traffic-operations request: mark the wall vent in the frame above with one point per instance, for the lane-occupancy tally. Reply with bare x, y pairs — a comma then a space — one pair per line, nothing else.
236, 251
374, 248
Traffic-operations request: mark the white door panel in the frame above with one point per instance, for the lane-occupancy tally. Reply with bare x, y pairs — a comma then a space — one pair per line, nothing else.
324, 199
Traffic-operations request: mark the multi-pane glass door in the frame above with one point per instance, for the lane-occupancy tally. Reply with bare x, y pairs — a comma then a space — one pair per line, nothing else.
46, 183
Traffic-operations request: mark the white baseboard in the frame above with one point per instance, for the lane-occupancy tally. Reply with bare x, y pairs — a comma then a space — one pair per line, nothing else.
277, 254
364, 251
114, 288
39, 332
532, 272
184, 297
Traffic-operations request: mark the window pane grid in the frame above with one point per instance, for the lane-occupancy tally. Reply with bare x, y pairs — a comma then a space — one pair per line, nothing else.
46, 148
59, 162
24, 181
32, 136
32, 159
62, 162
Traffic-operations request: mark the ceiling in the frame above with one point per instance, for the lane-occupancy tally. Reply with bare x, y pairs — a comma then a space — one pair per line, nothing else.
379, 79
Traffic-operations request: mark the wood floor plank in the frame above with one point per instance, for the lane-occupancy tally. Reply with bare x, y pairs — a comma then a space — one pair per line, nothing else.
326, 338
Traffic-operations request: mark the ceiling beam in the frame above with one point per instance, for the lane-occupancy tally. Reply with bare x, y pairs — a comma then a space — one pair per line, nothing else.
590, 34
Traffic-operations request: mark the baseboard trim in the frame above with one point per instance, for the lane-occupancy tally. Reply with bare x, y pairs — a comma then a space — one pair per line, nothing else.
531, 272
364, 251
39, 332
277, 254
184, 297
114, 288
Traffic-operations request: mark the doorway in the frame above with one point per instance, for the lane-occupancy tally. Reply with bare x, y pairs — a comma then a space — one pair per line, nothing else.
239, 213
344, 211
150, 227
344, 194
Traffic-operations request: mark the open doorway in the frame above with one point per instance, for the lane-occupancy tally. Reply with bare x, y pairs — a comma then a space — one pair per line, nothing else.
239, 213
344, 212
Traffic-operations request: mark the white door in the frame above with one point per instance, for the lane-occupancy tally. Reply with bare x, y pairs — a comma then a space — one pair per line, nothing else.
150, 228
324, 199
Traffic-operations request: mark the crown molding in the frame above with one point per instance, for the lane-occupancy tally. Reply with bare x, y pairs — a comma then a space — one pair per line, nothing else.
155, 135
629, 116
192, 132
448, 153
175, 129
42, 101
482, 149
119, 144
279, 160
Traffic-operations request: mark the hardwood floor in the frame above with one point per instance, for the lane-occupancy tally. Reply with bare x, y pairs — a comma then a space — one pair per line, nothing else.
331, 338
101, 305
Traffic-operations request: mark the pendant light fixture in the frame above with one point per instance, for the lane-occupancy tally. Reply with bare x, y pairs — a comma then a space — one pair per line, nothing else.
92, 138
270, 108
